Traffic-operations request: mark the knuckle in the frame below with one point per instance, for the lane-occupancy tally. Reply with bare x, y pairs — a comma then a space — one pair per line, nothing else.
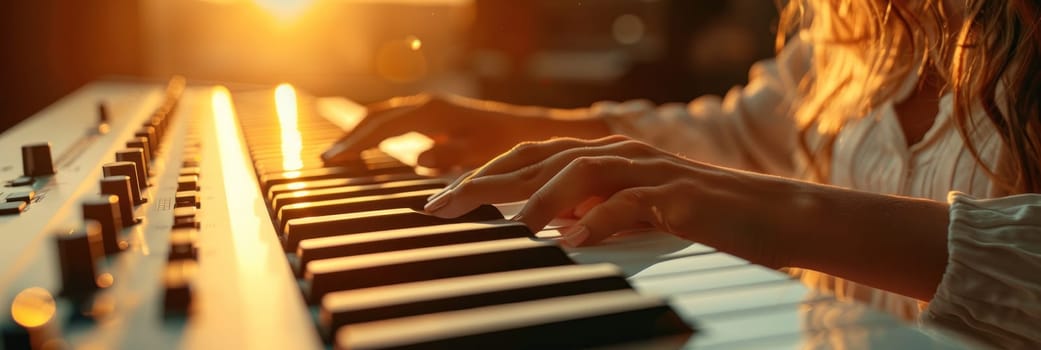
616, 138
637, 148
586, 164
524, 149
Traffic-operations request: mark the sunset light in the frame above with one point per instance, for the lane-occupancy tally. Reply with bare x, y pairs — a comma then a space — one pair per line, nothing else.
285, 9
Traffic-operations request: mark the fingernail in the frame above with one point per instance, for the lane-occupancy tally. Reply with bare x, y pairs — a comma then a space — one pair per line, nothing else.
437, 202
575, 235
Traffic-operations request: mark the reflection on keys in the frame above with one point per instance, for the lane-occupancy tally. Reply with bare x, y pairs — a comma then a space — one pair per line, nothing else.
409, 238
417, 298
369, 221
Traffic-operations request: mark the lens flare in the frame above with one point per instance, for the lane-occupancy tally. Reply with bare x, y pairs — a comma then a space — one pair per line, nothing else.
285, 9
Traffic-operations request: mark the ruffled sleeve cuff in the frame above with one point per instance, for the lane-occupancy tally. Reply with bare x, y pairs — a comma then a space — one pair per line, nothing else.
991, 290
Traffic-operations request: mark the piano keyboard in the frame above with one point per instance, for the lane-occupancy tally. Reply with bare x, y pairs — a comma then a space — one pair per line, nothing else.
247, 240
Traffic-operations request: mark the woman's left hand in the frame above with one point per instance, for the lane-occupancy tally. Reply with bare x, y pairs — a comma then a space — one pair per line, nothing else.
616, 184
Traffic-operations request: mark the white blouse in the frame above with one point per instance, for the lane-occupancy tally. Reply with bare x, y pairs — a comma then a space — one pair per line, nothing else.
750, 128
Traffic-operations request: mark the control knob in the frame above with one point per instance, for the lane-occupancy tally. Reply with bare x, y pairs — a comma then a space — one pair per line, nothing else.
36, 159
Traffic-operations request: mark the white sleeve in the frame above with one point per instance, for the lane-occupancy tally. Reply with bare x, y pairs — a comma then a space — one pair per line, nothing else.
991, 290
749, 128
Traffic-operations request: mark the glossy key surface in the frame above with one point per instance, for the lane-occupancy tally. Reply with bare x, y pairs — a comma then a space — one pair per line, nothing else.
408, 238
371, 270
409, 299
378, 220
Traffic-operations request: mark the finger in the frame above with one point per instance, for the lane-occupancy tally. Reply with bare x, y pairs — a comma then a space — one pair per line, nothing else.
477, 191
526, 172
451, 185
368, 134
582, 178
583, 208
529, 153
625, 210
534, 176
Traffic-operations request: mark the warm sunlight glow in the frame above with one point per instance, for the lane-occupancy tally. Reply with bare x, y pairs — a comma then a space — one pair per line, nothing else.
292, 141
33, 307
414, 43
407, 147
222, 110
285, 104
285, 10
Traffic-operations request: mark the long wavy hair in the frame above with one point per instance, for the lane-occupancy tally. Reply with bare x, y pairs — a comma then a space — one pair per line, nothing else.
988, 55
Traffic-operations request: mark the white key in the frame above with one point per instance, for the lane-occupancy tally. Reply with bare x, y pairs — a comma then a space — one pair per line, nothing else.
805, 320
670, 285
690, 264
744, 298
636, 251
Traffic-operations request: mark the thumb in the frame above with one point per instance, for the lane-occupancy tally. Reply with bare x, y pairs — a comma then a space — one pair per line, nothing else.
625, 210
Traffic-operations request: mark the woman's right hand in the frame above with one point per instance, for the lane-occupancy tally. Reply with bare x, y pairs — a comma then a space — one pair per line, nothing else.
466, 132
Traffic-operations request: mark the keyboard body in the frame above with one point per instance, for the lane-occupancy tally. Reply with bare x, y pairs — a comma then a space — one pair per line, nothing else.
246, 292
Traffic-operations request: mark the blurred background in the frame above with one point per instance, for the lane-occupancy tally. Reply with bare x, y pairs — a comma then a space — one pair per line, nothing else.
562, 53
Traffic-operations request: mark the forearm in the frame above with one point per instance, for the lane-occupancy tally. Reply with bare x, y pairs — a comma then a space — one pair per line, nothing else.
894, 243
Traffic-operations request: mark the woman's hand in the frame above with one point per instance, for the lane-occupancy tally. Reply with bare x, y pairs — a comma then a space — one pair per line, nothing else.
466, 132
616, 184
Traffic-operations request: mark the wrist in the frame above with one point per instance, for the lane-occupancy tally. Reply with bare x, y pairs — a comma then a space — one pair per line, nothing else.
790, 209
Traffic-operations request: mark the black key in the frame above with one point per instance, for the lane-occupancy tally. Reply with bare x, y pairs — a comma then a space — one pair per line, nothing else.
413, 265
570, 322
328, 183
413, 199
275, 163
408, 238
271, 166
354, 191
379, 220
458, 293
328, 173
